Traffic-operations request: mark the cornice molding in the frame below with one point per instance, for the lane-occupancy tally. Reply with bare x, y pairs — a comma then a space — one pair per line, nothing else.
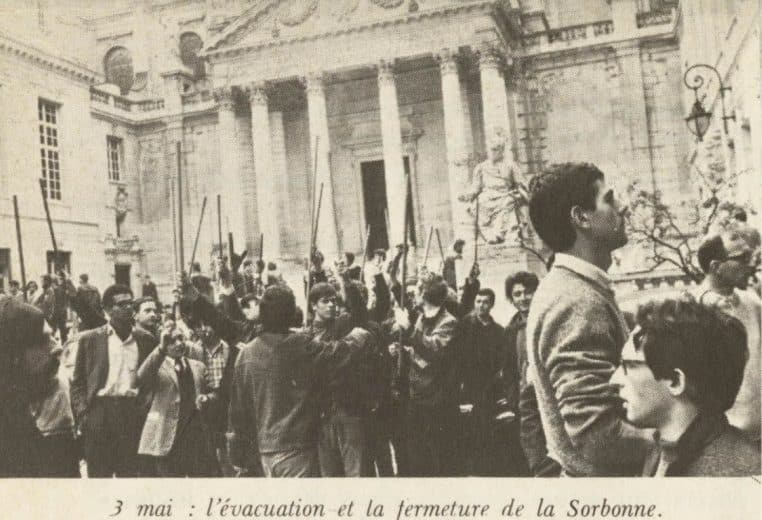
44, 59
215, 53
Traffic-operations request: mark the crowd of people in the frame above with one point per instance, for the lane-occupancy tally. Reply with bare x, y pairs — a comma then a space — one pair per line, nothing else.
385, 374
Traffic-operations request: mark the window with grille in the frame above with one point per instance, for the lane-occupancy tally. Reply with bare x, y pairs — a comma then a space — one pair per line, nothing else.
47, 114
114, 147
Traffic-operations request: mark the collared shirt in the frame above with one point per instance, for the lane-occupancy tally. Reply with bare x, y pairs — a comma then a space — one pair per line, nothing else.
122, 366
215, 360
583, 268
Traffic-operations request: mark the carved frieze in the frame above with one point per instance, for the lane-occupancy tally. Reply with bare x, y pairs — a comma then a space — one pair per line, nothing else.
296, 12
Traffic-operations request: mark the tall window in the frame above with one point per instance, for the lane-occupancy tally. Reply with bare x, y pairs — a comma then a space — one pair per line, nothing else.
114, 147
47, 113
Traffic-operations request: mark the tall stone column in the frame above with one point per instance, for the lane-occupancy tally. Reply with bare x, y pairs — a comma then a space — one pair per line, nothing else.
327, 235
267, 194
391, 138
494, 94
232, 189
455, 141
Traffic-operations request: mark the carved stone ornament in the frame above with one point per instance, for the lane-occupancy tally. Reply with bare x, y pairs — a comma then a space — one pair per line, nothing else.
224, 97
313, 82
342, 9
491, 56
120, 203
388, 4
257, 93
386, 71
448, 61
296, 12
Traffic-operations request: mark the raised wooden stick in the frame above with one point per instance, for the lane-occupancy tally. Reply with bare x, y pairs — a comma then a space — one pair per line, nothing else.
441, 250
312, 232
180, 229
19, 241
198, 233
476, 230
365, 252
219, 224
428, 246
50, 225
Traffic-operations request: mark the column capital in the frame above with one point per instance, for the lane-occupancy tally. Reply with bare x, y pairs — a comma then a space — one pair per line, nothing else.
314, 82
257, 93
449, 61
224, 97
386, 71
492, 55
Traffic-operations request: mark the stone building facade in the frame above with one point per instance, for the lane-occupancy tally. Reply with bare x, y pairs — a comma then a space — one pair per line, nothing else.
388, 89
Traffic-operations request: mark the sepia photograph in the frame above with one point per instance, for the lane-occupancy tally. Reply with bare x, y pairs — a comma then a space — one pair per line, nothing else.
380, 238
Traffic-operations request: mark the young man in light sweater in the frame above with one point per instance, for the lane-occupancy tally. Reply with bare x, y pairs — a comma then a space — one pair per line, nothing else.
575, 330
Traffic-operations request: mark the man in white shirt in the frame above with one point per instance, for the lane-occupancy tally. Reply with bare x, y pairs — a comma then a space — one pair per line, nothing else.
104, 389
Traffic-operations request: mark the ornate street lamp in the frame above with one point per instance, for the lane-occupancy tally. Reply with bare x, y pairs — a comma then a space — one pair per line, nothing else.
699, 118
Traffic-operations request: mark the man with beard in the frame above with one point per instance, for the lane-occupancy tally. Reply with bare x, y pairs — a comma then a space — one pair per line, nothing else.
28, 387
147, 316
726, 261
104, 390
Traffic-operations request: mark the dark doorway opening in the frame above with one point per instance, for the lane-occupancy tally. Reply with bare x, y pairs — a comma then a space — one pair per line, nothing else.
374, 195
122, 274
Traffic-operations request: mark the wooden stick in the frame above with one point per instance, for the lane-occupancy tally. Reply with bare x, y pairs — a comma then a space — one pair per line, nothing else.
50, 225
476, 230
261, 247
198, 233
317, 215
19, 241
173, 200
219, 223
180, 229
365, 252
403, 282
441, 250
428, 246
312, 232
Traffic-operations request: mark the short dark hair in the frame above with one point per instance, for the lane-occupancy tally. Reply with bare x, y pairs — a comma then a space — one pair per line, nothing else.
14, 283
248, 298
271, 266
525, 278
140, 301
554, 193
712, 248
487, 292
84, 278
321, 290
434, 290
708, 345
277, 309
356, 301
740, 215
113, 290
350, 257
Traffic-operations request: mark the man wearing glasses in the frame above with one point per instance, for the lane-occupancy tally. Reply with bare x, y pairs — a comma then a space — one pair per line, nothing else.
680, 371
726, 261
104, 388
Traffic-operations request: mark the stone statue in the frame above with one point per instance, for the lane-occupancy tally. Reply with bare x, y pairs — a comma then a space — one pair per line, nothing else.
120, 208
501, 190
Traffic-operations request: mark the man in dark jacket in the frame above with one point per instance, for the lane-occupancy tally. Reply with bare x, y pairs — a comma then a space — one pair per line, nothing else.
431, 408
86, 302
479, 341
519, 289
274, 410
680, 372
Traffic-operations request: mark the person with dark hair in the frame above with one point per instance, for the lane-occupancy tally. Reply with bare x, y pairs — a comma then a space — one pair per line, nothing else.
725, 260
452, 269
45, 299
680, 372
86, 302
36, 425
147, 316
432, 402
149, 289
201, 282
105, 396
14, 291
274, 409
479, 340
575, 330
174, 435
352, 271
519, 290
